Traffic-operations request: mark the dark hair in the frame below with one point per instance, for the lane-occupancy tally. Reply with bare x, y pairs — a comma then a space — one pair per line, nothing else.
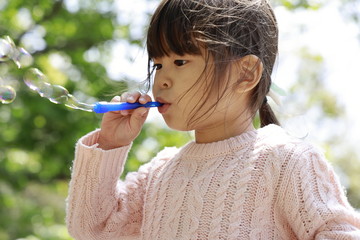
228, 30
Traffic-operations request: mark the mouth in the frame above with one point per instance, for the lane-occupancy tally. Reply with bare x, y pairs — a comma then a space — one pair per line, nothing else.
165, 105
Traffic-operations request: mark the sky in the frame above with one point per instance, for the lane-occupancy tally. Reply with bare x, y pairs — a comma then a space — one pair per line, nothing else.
325, 32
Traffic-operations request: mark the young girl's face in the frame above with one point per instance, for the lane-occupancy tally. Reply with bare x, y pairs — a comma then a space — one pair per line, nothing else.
175, 85
180, 83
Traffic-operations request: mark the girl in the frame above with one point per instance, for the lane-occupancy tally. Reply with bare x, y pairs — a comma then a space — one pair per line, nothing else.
213, 61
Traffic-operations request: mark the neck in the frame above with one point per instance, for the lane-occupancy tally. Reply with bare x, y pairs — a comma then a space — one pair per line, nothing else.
223, 131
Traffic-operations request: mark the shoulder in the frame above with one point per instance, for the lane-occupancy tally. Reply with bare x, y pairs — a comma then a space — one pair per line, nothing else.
275, 139
287, 154
296, 162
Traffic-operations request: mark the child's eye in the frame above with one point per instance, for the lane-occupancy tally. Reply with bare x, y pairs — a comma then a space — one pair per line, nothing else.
157, 66
180, 62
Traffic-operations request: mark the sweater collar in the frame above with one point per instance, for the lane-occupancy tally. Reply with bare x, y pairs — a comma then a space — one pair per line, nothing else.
220, 148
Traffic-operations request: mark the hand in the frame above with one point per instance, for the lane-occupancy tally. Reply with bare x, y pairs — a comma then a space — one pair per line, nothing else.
120, 128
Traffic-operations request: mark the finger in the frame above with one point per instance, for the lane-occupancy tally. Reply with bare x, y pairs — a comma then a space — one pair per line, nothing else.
116, 99
125, 112
139, 115
144, 98
124, 96
133, 97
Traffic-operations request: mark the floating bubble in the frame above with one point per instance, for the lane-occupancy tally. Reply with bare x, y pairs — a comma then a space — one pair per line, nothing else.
35, 79
38, 82
59, 94
6, 50
7, 94
72, 102
76, 104
45, 90
22, 58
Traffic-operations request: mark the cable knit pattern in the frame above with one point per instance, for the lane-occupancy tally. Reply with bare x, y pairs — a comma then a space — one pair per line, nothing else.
262, 184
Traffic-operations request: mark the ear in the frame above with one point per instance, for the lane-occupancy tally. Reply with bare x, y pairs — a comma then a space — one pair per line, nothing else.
249, 70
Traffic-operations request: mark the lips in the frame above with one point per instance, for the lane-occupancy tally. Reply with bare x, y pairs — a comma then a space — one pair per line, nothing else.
162, 109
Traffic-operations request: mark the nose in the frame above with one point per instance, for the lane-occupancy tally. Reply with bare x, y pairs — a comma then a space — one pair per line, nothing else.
162, 80
165, 85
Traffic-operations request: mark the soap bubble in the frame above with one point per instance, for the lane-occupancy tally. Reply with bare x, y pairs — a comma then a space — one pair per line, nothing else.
35, 79
59, 94
7, 94
71, 102
76, 104
6, 50
38, 82
9, 51
45, 90
22, 58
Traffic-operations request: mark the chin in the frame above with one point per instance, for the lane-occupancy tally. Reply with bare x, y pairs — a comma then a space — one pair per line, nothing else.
177, 126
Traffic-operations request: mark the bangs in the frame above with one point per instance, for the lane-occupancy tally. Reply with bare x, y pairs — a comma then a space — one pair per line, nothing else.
171, 31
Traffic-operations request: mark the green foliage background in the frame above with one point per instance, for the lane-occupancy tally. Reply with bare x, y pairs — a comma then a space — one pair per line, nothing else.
37, 138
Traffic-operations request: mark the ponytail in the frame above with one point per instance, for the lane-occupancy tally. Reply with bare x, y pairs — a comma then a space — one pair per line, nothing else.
267, 115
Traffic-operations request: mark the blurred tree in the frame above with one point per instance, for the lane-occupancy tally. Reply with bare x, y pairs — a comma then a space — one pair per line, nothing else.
311, 97
326, 120
71, 42
37, 137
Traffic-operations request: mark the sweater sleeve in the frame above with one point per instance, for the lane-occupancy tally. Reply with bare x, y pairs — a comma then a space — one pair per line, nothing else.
314, 202
99, 205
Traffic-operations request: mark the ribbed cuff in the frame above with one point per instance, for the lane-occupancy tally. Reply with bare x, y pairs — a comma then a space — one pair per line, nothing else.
93, 161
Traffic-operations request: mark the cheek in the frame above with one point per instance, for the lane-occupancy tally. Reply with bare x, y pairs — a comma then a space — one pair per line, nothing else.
153, 91
153, 86
190, 102
204, 107
198, 97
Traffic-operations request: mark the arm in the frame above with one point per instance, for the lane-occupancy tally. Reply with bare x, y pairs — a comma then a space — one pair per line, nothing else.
314, 202
99, 206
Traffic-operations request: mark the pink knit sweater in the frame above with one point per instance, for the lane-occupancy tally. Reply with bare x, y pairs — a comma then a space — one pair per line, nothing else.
262, 184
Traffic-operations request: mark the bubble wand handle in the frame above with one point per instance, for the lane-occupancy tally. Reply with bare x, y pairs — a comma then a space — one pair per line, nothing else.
103, 107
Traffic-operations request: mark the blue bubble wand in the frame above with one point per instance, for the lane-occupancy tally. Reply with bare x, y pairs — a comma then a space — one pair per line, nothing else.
103, 107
